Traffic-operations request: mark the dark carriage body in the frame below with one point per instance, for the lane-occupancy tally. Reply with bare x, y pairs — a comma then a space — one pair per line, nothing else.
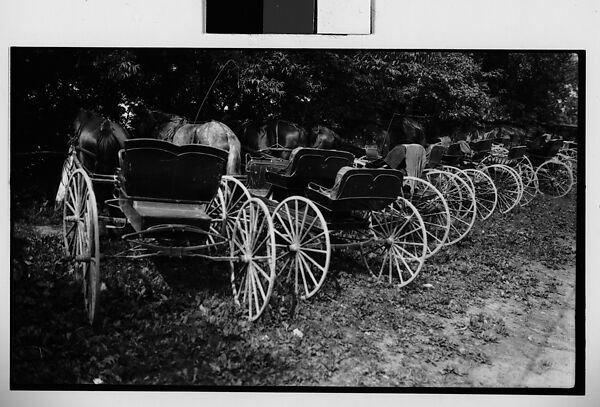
160, 183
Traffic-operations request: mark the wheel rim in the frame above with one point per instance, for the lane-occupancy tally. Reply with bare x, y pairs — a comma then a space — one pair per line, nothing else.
253, 243
303, 245
217, 210
529, 179
234, 195
461, 203
434, 211
81, 237
508, 185
571, 161
402, 253
554, 178
486, 196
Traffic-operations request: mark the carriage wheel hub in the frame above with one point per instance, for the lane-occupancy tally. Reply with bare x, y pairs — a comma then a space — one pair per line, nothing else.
294, 247
390, 241
246, 258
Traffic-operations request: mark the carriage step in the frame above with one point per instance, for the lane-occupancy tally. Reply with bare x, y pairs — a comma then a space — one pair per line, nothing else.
113, 223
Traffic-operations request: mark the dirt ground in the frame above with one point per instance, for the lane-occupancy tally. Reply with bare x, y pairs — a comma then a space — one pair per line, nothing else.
496, 310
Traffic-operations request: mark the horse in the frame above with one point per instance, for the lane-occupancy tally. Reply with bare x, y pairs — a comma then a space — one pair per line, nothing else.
96, 142
155, 124
407, 131
178, 130
280, 136
214, 134
326, 139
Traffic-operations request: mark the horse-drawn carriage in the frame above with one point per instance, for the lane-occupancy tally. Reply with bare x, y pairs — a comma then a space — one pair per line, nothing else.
172, 198
285, 217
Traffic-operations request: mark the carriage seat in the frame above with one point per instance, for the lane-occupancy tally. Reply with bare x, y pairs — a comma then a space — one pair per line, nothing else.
436, 153
548, 150
174, 148
358, 189
161, 183
310, 164
515, 154
481, 148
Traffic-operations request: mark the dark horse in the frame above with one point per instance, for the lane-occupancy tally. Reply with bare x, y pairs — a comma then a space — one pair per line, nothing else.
403, 131
155, 124
276, 138
97, 142
324, 138
176, 129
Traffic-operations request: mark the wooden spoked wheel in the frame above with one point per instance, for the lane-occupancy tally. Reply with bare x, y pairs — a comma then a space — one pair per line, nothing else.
227, 203
433, 208
82, 238
253, 244
461, 202
508, 184
67, 171
217, 210
486, 195
303, 246
554, 178
461, 174
571, 161
529, 180
400, 253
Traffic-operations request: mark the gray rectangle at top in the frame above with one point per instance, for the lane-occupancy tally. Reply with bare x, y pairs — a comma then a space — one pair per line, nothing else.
289, 16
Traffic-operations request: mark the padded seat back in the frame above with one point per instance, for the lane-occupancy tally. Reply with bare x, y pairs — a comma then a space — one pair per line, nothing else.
436, 155
516, 152
166, 145
318, 165
368, 183
454, 150
172, 173
482, 146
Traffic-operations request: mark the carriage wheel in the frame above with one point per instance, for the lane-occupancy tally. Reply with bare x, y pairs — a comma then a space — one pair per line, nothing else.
461, 174
82, 238
303, 247
253, 244
433, 208
508, 184
461, 202
486, 195
554, 178
68, 168
571, 161
529, 179
400, 253
225, 207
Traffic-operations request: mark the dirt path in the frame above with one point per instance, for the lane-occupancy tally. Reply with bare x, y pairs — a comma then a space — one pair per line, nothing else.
540, 352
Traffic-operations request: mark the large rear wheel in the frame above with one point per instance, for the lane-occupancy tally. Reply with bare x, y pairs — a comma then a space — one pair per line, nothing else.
461, 202
486, 195
529, 179
433, 208
303, 246
253, 244
82, 239
400, 253
508, 184
554, 178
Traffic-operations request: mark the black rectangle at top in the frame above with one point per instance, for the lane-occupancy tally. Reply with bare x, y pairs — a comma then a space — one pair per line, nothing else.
234, 16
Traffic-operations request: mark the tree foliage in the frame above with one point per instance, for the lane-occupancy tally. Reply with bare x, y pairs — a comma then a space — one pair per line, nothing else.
345, 89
